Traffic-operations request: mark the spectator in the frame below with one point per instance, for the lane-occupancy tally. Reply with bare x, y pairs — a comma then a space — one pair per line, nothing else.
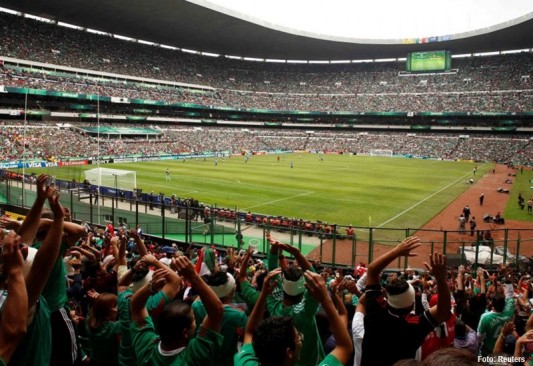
233, 321
104, 330
177, 326
465, 337
392, 315
277, 341
12, 321
293, 300
503, 305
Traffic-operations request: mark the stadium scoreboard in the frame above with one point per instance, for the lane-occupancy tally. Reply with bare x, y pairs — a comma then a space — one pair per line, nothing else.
429, 61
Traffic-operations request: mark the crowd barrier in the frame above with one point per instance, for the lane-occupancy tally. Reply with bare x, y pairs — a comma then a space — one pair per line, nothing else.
338, 245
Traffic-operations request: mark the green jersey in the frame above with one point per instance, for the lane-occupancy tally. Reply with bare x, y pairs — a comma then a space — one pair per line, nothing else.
55, 290
154, 305
303, 314
201, 350
104, 343
249, 294
35, 348
232, 328
126, 353
247, 357
491, 323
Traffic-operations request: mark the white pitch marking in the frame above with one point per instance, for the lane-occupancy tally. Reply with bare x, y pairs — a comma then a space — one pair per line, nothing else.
425, 199
281, 199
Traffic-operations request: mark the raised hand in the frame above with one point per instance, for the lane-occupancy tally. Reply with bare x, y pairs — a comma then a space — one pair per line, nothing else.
184, 266
437, 265
158, 280
269, 284
407, 246
316, 285
11, 256
53, 199
244, 265
9, 223
42, 186
480, 272
149, 259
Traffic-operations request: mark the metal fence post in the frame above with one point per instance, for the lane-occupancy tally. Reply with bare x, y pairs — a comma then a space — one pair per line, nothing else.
505, 246
354, 251
517, 261
370, 245
333, 254
477, 255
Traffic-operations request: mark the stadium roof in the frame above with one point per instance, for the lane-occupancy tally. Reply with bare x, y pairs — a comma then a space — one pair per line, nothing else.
186, 25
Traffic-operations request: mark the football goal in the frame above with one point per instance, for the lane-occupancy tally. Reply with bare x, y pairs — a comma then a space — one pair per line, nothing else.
378, 152
113, 178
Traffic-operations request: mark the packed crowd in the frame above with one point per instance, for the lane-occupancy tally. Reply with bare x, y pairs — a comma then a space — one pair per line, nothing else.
414, 100
47, 141
497, 83
78, 295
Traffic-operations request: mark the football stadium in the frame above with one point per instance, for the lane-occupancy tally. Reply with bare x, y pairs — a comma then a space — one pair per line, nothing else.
170, 154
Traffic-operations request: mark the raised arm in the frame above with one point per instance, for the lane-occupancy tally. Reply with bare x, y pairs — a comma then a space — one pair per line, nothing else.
305, 265
482, 280
47, 254
378, 265
343, 342
13, 322
114, 242
73, 232
30, 225
138, 301
87, 253
506, 329
139, 242
259, 309
212, 303
87, 245
172, 280
120, 259
442, 311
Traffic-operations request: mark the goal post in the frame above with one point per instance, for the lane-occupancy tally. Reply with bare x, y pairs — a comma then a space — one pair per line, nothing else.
114, 178
379, 152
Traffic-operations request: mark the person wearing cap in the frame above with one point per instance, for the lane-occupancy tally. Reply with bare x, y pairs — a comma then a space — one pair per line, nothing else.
168, 254
291, 299
389, 324
233, 321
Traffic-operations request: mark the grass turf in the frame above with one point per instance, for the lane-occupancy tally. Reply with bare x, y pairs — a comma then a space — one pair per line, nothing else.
342, 189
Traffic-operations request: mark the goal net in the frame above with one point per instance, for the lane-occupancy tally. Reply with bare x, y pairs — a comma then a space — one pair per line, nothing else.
113, 178
378, 152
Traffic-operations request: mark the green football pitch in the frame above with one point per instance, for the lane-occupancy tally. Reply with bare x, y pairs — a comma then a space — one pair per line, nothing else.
342, 189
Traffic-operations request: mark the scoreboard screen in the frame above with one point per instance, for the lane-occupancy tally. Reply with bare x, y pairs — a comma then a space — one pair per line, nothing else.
429, 61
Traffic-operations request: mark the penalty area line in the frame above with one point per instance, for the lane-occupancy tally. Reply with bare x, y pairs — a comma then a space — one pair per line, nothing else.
424, 200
